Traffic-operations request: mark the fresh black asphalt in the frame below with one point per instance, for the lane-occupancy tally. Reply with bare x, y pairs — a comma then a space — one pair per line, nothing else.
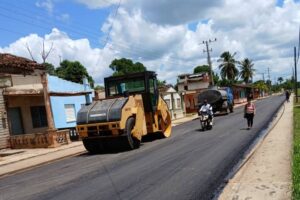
189, 165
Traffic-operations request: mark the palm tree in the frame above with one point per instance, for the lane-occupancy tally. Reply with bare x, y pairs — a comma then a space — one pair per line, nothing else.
227, 67
246, 70
280, 79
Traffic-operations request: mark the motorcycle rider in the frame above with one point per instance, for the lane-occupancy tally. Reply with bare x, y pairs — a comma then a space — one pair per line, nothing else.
206, 107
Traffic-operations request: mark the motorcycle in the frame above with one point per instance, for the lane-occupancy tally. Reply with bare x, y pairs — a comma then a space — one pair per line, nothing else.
206, 121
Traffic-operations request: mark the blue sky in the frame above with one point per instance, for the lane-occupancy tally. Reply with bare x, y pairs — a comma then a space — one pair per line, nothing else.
163, 35
23, 17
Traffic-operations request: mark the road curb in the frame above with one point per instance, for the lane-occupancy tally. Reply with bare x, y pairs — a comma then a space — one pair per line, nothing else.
58, 150
38, 163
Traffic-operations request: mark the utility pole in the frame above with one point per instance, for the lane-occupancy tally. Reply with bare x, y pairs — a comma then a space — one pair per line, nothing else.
295, 60
208, 59
263, 75
269, 80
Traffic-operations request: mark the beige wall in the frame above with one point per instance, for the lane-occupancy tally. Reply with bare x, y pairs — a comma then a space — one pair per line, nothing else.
25, 102
25, 80
4, 131
180, 87
177, 112
193, 85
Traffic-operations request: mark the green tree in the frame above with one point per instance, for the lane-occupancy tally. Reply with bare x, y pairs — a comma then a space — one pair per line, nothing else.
216, 78
201, 68
50, 68
269, 83
246, 70
280, 80
125, 66
288, 84
224, 83
73, 71
227, 66
161, 83
261, 85
99, 87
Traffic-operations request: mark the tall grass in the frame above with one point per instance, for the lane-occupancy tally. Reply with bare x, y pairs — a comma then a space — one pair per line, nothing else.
296, 154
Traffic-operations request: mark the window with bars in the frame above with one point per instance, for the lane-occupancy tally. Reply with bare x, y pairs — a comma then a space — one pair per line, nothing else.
38, 116
178, 103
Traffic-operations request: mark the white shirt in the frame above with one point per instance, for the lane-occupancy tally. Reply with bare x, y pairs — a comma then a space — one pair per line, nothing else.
206, 108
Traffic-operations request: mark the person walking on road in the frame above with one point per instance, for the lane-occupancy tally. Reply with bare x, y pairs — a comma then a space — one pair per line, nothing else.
249, 113
287, 96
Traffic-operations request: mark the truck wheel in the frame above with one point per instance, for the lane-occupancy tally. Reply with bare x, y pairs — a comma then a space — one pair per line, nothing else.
92, 146
132, 141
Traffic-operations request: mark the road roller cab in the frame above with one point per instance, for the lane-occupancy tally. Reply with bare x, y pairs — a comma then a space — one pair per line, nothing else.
132, 109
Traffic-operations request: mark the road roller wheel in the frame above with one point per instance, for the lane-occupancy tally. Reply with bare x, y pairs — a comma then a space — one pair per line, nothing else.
132, 141
92, 146
166, 127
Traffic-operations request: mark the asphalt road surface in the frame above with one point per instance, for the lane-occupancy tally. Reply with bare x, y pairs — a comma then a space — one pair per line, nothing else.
190, 165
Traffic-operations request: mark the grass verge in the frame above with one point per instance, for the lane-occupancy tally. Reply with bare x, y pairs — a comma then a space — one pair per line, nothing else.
296, 153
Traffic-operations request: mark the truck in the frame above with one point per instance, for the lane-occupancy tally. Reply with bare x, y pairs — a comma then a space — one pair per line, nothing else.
221, 99
132, 108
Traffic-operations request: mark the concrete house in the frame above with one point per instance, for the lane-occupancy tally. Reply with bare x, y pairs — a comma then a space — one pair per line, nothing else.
173, 100
12, 65
41, 110
27, 109
190, 86
242, 91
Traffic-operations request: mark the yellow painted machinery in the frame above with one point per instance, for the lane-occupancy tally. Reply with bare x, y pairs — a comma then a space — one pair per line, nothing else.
132, 109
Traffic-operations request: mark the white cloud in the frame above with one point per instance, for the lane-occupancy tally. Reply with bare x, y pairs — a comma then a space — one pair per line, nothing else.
157, 35
94, 59
64, 17
96, 4
174, 12
46, 4
134, 37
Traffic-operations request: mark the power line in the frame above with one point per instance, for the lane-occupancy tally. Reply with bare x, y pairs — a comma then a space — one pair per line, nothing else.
110, 28
134, 50
41, 17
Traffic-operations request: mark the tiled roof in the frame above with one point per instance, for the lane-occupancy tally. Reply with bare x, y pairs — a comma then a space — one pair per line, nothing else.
14, 64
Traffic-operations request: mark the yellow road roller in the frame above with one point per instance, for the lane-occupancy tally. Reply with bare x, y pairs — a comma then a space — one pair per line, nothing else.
132, 108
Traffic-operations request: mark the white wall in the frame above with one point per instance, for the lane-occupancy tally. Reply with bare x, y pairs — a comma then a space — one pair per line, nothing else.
177, 112
197, 85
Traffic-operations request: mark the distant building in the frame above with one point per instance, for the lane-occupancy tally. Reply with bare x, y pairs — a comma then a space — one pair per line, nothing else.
242, 91
99, 94
173, 100
189, 86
